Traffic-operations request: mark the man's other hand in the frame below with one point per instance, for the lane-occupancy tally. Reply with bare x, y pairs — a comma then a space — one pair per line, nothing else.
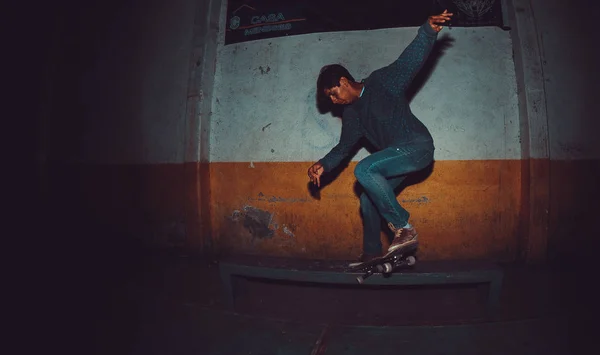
315, 172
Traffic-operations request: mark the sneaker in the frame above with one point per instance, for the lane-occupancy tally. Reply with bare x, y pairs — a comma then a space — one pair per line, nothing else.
403, 237
365, 258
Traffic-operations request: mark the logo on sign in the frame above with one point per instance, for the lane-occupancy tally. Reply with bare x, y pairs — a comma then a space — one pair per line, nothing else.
234, 22
266, 19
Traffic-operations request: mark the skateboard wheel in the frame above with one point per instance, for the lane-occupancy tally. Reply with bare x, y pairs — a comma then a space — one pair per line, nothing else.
387, 267
411, 260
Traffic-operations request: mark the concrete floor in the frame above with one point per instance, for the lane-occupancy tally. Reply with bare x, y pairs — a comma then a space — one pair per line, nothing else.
172, 304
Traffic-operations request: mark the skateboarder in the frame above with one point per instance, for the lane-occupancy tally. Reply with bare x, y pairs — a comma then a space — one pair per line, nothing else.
377, 109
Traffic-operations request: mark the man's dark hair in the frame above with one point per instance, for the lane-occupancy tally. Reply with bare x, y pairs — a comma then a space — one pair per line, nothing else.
330, 77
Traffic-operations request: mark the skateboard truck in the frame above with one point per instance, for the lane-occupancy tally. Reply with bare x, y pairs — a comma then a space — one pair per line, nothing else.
387, 267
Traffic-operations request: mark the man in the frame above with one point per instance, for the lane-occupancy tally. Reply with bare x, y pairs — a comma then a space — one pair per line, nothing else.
377, 109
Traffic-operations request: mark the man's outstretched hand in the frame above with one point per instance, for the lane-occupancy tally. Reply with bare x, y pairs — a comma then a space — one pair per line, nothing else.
315, 172
436, 21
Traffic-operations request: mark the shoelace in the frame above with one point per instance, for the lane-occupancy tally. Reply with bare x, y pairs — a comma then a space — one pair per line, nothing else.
397, 231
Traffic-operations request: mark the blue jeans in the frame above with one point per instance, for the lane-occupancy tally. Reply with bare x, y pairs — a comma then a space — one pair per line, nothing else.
380, 174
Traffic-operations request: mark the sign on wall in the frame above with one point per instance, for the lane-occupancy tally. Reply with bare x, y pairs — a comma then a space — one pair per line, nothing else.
249, 20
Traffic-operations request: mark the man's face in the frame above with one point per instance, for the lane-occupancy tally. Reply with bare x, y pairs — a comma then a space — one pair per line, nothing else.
342, 94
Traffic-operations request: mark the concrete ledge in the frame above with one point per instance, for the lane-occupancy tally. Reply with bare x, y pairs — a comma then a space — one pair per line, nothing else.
333, 272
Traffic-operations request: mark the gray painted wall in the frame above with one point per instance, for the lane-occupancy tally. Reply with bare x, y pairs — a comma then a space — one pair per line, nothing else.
264, 108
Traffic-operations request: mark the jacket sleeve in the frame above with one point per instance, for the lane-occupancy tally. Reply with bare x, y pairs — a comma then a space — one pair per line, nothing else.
397, 76
351, 133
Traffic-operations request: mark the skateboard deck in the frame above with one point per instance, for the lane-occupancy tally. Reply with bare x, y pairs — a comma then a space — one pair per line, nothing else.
386, 264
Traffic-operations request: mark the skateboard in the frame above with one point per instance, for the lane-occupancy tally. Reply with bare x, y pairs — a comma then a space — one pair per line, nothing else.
386, 264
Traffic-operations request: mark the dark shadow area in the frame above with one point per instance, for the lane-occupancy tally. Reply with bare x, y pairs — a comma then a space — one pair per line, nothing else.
353, 304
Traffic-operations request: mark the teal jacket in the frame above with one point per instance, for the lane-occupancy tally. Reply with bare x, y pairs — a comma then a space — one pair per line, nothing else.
382, 113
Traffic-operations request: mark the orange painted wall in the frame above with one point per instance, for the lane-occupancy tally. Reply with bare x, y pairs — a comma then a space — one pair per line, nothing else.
463, 209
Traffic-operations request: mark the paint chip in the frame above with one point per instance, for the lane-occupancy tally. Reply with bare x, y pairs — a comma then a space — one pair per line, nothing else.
235, 216
288, 231
257, 222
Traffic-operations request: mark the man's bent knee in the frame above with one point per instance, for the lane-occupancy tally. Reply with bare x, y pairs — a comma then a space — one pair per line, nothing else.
361, 170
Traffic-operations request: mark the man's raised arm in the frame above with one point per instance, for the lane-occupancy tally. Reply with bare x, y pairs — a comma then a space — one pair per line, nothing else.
397, 76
